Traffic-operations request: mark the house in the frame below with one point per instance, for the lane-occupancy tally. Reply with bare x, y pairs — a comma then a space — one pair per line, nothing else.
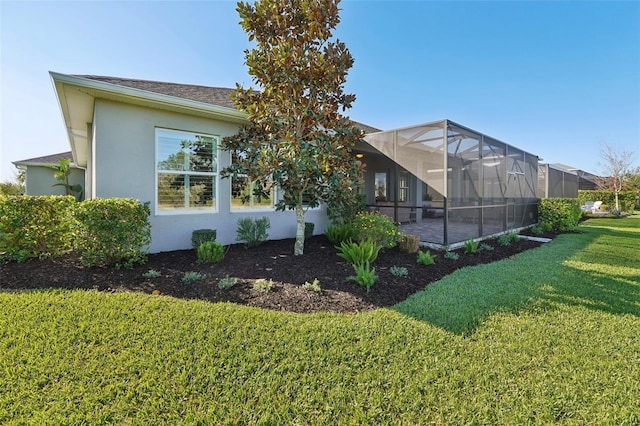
159, 143
39, 179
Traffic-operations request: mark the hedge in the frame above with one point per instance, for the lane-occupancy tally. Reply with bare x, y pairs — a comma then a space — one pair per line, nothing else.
627, 199
100, 231
560, 214
112, 231
35, 226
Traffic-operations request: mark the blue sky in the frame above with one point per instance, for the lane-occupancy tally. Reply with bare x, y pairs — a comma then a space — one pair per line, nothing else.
555, 78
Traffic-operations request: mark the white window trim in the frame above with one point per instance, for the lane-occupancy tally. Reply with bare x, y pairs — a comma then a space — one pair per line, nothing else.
161, 211
274, 195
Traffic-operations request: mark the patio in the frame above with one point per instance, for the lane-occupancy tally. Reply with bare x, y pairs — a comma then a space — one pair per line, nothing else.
448, 183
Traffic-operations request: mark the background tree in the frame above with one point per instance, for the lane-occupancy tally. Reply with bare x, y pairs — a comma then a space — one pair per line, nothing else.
616, 166
15, 186
297, 138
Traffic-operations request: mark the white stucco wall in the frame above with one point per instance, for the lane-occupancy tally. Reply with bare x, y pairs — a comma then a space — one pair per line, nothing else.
125, 167
40, 181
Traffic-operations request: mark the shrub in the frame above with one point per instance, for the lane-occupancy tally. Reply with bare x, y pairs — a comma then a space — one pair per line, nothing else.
36, 226
536, 230
504, 240
341, 232
485, 247
312, 286
426, 258
151, 273
409, 243
200, 236
227, 282
308, 229
111, 231
562, 214
253, 231
378, 228
471, 246
210, 252
399, 271
546, 227
354, 253
452, 255
365, 275
263, 285
191, 277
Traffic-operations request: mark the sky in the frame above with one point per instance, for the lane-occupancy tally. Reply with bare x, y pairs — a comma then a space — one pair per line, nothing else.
554, 78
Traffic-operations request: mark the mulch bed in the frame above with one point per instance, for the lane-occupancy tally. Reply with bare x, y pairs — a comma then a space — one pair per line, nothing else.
271, 260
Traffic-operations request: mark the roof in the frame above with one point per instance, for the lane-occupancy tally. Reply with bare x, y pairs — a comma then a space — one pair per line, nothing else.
45, 160
220, 96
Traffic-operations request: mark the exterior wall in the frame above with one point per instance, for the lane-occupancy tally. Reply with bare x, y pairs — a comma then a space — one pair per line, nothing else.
40, 181
124, 151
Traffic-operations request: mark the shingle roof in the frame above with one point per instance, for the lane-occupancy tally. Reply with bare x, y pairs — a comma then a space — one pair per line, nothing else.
47, 159
220, 96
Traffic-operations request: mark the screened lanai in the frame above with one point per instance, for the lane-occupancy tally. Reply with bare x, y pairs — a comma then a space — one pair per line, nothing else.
448, 183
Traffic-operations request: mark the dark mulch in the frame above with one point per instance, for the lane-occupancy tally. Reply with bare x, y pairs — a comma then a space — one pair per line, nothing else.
271, 260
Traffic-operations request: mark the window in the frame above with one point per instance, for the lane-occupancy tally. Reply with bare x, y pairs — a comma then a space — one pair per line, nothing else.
381, 186
186, 171
243, 195
404, 186
246, 194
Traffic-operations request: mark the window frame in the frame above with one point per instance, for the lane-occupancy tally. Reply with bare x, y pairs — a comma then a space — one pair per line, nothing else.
214, 175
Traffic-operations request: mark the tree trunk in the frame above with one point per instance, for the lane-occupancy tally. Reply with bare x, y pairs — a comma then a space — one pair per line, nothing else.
299, 246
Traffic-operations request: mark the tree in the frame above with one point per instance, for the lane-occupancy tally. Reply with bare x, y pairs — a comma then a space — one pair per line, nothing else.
62, 171
616, 165
297, 139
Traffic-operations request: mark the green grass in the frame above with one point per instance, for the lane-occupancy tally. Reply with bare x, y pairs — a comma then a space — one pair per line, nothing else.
552, 335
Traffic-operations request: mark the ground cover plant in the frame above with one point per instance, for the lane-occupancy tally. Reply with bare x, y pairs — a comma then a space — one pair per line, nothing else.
547, 336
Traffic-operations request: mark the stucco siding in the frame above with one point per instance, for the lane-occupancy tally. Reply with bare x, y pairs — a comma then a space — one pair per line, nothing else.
40, 181
125, 167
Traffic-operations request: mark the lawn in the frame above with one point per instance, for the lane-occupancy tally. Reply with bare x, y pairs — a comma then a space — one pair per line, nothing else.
548, 336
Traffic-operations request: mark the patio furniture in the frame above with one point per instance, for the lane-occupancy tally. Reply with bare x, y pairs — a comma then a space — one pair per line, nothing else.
587, 207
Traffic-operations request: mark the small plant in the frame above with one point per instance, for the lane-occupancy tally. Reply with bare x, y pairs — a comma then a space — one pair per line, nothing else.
227, 282
452, 255
536, 230
485, 247
426, 258
365, 275
399, 271
312, 286
378, 228
192, 277
210, 252
513, 237
200, 236
409, 243
354, 253
546, 227
504, 240
151, 273
341, 232
253, 231
263, 285
471, 246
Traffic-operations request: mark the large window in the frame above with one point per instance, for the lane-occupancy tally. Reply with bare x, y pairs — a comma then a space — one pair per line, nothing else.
186, 171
